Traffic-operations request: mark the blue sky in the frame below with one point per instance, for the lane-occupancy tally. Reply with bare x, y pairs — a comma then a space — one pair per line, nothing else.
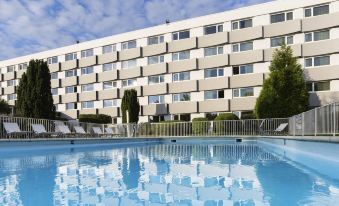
28, 26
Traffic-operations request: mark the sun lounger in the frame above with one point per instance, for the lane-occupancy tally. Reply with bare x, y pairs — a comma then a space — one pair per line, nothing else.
109, 130
281, 127
98, 131
40, 129
13, 129
63, 129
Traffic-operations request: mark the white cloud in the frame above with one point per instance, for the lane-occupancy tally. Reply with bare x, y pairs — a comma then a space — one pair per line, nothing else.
37, 25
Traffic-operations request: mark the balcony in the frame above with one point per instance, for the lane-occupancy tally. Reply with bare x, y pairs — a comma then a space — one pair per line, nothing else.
88, 61
219, 105
130, 73
87, 96
69, 81
108, 58
268, 53
88, 78
246, 57
130, 54
185, 86
68, 98
213, 39
155, 49
213, 61
184, 65
246, 34
320, 22
69, 65
108, 94
243, 104
111, 111
213, 83
183, 108
138, 89
282, 28
182, 45
155, 109
155, 89
108, 76
247, 80
321, 47
154, 69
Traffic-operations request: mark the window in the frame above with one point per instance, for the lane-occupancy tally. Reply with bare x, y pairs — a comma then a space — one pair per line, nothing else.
88, 105
70, 106
109, 85
110, 103
71, 89
129, 63
129, 82
318, 86
11, 97
70, 56
244, 46
52, 60
10, 68
214, 94
54, 75
317, 36
213, 29
243, 69
159, 99
54, 91
182, 117
211, 51
181, 97
317, 10
129, 45
180, 55
109, 67
155, 59
87, 70
243, 92
11, 83
317, 61
180, 35
109, 48
23, 66
71, 73
278, 41
275, 18
217, 72
87, 87
242, 24
155, 40
156, 79
182, 76
87, 53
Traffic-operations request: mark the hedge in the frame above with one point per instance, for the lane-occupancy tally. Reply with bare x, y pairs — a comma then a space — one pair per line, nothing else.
200, 126
226, 127
95, 118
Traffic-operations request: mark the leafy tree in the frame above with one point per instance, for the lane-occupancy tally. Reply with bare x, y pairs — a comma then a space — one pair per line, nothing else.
226, 116
34, 92
95, 118
130, 103
4, 107
284, 93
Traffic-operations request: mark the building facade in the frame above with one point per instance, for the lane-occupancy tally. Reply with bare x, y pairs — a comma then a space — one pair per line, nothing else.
192, 68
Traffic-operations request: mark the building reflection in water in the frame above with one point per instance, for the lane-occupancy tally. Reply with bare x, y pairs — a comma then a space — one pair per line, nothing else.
165, 174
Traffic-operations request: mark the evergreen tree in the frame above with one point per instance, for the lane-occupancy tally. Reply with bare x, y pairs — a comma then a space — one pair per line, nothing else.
4, 107
130, 103
34, 92
284, 92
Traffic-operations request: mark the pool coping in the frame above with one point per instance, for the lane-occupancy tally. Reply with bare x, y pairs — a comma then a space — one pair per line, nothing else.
331, 139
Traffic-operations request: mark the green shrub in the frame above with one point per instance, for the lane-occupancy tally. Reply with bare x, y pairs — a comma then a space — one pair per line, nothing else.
226, 116
200, 126
95, 118
248, 116
170, 128
4, 107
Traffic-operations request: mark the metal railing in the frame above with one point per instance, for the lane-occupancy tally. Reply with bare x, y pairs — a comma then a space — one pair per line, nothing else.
321, 121
253, 127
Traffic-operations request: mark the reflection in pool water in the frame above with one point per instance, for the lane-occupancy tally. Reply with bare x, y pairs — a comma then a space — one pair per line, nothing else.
161, 174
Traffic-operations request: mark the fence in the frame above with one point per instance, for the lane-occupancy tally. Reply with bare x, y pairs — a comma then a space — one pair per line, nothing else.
322, 121
165, 129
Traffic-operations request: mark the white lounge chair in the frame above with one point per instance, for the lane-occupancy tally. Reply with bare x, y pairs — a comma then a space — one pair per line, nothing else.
14, 129
40, 129
98, 131
281, 127
62, 129
79, 130
110, 131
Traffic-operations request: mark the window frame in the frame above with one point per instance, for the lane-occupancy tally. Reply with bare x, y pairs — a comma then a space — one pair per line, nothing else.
177, 35
132, 44
218, 94
109, 48
160, 59
114, 103
238, 23
181, 54
218, 71
161, 79
113, 84
179, 79
312, 35
87, 53
159, 39
70, 56
218, 28
135, 83
87, 85
178, 97
240, 90
313, 61
86, 103
218, 49
285, 13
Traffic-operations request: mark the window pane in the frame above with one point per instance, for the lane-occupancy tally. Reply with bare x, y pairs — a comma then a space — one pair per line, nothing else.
289, 40
308, 12
246, 46
184, 34
211, 95
289, 16
210, 51
210, 30
277, 18
321, 86
320, 10
245, 69
245, 23
308, 62
277, 41
235, 47
321, 61
308, 37
211, 73
321, 35
246, 92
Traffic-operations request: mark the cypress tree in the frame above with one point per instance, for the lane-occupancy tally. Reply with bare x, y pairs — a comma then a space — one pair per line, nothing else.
4, 107
130, 102
34, 92
284, 93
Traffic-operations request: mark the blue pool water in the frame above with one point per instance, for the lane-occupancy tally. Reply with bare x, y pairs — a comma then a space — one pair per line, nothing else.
174, 174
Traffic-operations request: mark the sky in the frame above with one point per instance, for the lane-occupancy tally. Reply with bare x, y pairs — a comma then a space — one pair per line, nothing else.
29, 26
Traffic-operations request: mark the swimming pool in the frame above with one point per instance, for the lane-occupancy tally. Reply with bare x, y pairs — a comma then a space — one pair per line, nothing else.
183, 173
